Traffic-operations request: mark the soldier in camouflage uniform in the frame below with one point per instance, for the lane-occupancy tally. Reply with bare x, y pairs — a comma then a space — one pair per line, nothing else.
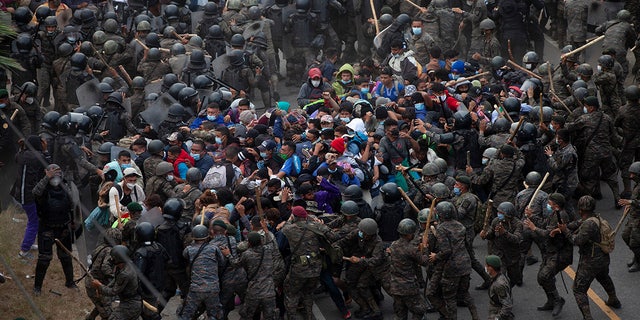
563, 165
536, 211
161, 184
596, 138
419, 41
557, 253
594, 263
406, 259
189, 192
102, 270
490, 46
257, 263
234, 279
505, 234
500, 300
575, 13
430, 173
631, 232
306, 262
619, 35
473, 13
151, 67
205, 261
499, 137
451, 239
466, 204
606, 82
627, 121
156, 150
125, 286
348, 221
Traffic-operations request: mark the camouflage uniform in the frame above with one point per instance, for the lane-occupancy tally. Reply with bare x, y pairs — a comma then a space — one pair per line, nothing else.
467, 204
451, 236
33, 113
234, 279
507, 246
490, 48
538, 207
575, 13
21, 121
61, 67
500, 300
205, 284
261, 291
607, 87
149, 167
596, 154
627, 121
502, 173
631, 231
125, 287
593, 264
343, 227
420, 45
153, 70
189, 198
620, 36
403, 287
493, 141
563, 166
160, 186
472, 15
101, 270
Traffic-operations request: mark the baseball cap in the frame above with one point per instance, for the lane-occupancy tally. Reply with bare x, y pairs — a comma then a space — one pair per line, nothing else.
409, 90
267, 145
130, 172
173, 136
326, 118
299, 211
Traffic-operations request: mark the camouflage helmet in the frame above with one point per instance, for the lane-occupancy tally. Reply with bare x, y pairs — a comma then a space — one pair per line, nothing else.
442, 164
430, 169
446, 210
110, 26
440, 191
99, 38
487, 24
194, 175
110, 47
155, 146
368, 226
407, 226
143, 26
234, 4
423, 215
584, 69
163, 168
490, 153
635, 168
200, 232
624, 15
586, 203
349, 208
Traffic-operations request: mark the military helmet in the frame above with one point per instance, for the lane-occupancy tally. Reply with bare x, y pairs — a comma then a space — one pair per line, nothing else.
462, 120
24, 43
215, 96
442, 164
236, 57
490, 153
501, 125
197, 58
112, 236
163, 168
587, 203
498, 62
78, 61
168, 32
143, 25
50, 21
86, 47
543, 68
423, 215
390, 192
581, 93
152, 40
119, 254
210, 9
178, 49
187, 95
215, 32
584, 69
303, 6
50, 120
138, 82
234, 4
29, 89
407, 226
606, 61
511, 105
145, 232
116, 98
154, 55
110, 26
67, 125
632, 92
487, 24
533, 179
85, 124
446, 210
352, 192
440, 191
43, 12
172, 208
99, 38
507, 208
175, 89
527, 132
22, 15
403, 19
386, 19
176, 110
194, 175
105, 87
202, 82
349, 208
237, 40
111, 47
155, 146
200, 232
635, 168
168, 80
530, 57
254, 12
624, 15
95, 113
110, 15
368, 226
171, 12
282, 3
430, 169
105, 148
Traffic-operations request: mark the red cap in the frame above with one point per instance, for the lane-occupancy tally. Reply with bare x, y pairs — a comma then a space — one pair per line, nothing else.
299, 212
315, 73
338, 144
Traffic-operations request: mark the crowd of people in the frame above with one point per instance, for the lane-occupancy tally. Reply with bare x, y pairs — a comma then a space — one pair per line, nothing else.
418, 127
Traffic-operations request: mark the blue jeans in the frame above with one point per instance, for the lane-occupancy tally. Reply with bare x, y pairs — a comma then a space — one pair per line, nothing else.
327, 280
31, 231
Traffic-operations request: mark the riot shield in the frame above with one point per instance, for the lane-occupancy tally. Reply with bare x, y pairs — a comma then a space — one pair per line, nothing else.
126, 104
153, 87
377, 41
252, 29
89, 93
158, 110
116, 149
196, 17
220, 64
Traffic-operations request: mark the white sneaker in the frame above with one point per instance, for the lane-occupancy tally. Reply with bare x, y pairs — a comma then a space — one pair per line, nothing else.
34, 247
26, 255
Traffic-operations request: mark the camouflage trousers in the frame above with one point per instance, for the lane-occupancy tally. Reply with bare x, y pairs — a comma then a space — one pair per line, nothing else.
127, 310
415, 304
627, 156
210, 300
266, 306
297, 290
631, 235
596, 168
588, 270
102, 303
547, 275
452, 290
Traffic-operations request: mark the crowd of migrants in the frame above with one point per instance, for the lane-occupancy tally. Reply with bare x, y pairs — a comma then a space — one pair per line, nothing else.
414, 130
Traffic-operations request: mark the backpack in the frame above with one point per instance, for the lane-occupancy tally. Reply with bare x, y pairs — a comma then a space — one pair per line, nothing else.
218, 176
367, 171
607, 237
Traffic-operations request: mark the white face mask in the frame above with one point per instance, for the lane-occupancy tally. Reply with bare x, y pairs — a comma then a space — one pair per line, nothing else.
315, 83
599, 68
443, 97
528, 66
170, 178
131, 185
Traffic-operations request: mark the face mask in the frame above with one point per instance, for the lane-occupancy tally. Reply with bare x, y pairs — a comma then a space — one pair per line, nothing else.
486, 270
599, 68
125, 166
456, 191
131, 186
55, 181
557, 142
212, 118
455, 76
584, 110
333, 170
360, 234
345, 81
29, 100
3, 105
528, 66
263, 155
549, 209
283, 156
364, 90
315, 83
50, 33
396, 56
443, 97
195, 156
419, 106
485, 161
218, 140
551, 127
169, 178
501, 216
71, 40
416, 31
345, 120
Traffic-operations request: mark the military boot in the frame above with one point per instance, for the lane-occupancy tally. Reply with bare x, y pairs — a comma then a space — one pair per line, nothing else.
557, 306
586, 312
631, 262
474, 311
547, 306
613, 301
635, 266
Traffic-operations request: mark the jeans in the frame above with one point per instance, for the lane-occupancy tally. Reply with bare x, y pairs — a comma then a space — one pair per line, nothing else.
31, 231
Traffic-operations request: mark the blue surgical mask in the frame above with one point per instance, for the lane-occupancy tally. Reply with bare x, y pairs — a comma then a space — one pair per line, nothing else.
419, 106
584, 110
195, 156
364, 90
397, 56
485, 161
345, 120
212, 118
333, 170
549, 209
456, 191
454, 76
125, 166
416, 31
500, 216
3, 105
345, 81
263, 155
551, 127
218, 140
360, 234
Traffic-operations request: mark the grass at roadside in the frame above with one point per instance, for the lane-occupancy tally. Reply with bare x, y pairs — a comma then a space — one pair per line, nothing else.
72, 304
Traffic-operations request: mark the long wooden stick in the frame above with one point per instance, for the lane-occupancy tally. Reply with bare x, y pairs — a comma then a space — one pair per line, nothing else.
560, 100
503, 112
541, 112
535, 194
125, 75
425, 235
406, 197
513, 134
115, 198
487, 214
144, 46
413, 4
582, 48
375, 16
519, 67
473, 77
175, 34
14, 114
627, 209
509, 49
